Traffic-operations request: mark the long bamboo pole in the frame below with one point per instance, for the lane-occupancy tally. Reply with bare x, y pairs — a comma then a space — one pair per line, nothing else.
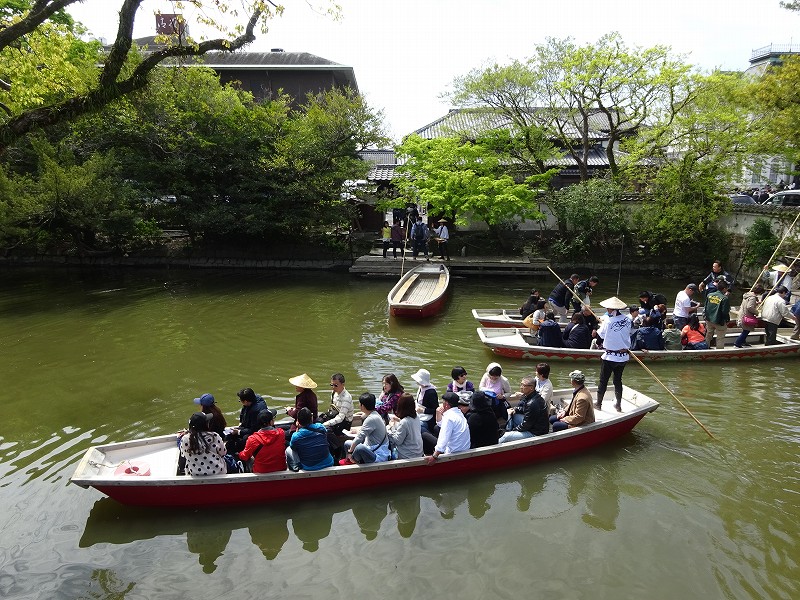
649, 372
778, 247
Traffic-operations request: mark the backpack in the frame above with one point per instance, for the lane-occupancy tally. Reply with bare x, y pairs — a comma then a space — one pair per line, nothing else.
420, 232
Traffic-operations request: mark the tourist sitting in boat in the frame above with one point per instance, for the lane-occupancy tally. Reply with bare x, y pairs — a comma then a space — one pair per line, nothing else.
371, 443
638, 320
671, 336
454, 430
576, 333
494, 381
404, 431
531, 416
481, 420
590, 319
580, 411
339, 416
387, 402
459, 383
252, 405
544, 388
209, 406
748, 314
648, 336
693, 335
530, 304
308, 448
550, 334
305, 398
203, 449
266, 446
427, 400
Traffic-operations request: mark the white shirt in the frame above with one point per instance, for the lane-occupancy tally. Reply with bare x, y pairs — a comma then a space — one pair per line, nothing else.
443, 233
682, 304
343, 401
616, 334
545, 389
775, 310
454, 432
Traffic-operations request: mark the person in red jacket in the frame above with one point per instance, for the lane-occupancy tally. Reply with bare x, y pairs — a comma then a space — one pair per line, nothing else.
266, 446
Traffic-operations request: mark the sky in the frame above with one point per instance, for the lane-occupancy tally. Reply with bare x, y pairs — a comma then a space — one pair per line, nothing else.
406, 53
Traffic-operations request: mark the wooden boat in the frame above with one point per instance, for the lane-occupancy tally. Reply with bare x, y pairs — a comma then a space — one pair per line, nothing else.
143, 472
518, 343
421, 292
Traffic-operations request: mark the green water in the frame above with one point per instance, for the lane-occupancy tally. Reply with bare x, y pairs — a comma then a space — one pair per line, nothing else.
89, 357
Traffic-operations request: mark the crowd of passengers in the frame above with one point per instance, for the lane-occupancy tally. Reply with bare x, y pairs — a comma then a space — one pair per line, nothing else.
652, 329
395, 425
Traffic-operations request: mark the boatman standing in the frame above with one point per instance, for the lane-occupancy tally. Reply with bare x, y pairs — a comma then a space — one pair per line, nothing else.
615, 337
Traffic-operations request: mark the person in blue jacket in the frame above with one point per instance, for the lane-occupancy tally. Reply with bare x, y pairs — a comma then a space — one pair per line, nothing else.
308, 448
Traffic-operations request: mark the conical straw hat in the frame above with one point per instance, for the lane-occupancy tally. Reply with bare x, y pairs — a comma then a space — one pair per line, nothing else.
614, 303
780, 267
303, 381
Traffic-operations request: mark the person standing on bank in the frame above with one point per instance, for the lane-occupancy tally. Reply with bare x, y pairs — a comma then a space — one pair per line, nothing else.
442, 237
398, 234
615, 337
419, 237
386, 237
717, 314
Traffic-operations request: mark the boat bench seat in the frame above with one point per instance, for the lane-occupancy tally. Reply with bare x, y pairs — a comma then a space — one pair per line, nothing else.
398, 297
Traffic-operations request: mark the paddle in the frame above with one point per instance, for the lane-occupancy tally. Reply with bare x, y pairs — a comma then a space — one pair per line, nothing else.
653, 375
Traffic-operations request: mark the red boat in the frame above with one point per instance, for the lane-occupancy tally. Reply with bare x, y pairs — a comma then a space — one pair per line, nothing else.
421, 292
144, 472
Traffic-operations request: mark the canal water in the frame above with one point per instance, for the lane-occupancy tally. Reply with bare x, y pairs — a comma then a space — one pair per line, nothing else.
90, 357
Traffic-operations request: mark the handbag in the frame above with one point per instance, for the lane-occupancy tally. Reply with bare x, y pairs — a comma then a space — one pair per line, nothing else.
749, 321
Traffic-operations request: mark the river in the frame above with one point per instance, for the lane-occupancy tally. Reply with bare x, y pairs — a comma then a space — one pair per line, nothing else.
93, 356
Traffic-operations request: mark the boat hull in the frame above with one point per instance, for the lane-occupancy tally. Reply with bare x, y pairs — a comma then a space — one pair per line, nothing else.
420, 293
512, 343
159, 489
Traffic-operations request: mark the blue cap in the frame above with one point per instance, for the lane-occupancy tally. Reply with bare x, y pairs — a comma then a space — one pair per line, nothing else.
204, 400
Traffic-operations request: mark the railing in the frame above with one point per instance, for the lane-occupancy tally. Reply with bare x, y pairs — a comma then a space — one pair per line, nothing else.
765, 51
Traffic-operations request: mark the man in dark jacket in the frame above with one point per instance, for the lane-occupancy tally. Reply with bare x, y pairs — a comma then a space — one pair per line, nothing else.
717, 314
535, 414
561, 295
252, 404
482, 421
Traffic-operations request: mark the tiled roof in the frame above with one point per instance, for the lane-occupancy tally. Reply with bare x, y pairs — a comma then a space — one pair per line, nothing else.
382, 173
471, 122
378, 157
596, 158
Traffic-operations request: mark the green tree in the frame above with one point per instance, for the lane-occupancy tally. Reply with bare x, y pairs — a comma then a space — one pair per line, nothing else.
590, 218
778, 97
576, 93
67, 206
26, 23
467, 180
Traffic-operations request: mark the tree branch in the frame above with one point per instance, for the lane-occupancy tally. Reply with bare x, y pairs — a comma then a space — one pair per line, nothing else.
38, 14
109, 88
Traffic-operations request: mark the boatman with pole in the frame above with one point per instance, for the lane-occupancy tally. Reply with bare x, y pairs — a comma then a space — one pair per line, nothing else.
615, 337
